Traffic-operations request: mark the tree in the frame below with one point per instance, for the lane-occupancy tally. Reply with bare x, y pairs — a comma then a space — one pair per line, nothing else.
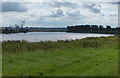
108, 27
101, 26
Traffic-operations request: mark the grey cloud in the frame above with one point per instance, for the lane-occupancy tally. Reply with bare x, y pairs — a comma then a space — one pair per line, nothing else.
57, 13
112, 15
65, 4
71, 15
93, 7
114, 3
13, 6
76, 15
116, 15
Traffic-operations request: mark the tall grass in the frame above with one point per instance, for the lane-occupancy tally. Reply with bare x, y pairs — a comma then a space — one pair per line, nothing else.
24, 46
85, 57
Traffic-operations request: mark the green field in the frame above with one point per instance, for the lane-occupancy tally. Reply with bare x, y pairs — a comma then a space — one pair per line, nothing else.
85, 57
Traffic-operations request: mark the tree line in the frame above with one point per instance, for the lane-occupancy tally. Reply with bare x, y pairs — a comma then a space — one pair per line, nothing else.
93, 29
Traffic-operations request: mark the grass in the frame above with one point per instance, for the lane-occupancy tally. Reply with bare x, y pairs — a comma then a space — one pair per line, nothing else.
85, 57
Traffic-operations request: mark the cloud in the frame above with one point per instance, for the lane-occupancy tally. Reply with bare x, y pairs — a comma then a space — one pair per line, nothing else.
44, 14
74, 14
115, 3
93, 7
57, 13
110, 14
13, 6
116, 15
64, 4
60, 0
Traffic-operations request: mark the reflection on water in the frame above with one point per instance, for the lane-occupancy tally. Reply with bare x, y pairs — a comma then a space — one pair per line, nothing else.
48, 36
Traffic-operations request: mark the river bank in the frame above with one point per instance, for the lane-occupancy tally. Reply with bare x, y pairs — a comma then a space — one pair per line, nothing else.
86, 57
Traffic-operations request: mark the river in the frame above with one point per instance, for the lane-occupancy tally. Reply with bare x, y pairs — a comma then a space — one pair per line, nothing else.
48, 36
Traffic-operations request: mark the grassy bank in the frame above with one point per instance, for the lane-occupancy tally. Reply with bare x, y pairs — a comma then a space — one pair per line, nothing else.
85, 57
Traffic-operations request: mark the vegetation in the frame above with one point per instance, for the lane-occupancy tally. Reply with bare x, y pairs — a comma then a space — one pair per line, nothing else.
85, 57
93, 29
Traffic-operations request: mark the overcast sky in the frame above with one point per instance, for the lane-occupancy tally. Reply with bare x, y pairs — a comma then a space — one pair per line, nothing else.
59, 14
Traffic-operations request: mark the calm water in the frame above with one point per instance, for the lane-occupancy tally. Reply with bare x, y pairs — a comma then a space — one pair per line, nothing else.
48, 36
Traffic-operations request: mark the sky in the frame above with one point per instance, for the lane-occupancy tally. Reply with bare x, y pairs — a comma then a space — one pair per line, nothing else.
59, 13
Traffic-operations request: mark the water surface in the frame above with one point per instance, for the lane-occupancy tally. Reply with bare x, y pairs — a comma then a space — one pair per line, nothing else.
49, 36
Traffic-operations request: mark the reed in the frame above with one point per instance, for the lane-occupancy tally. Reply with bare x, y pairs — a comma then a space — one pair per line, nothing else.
24, 46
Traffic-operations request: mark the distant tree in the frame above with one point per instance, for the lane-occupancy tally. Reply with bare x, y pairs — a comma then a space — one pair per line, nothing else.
94, 26
68, 26
108, 27
87, 26
101, 26
117, 27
